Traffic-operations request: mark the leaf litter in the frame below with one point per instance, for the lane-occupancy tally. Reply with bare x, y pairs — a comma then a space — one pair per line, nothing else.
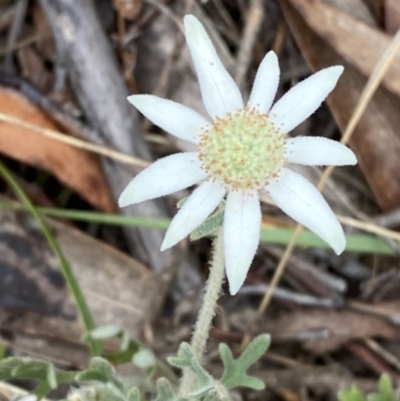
121, 291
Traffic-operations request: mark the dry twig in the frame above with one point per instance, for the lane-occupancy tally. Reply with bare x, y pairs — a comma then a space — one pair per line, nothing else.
253, 22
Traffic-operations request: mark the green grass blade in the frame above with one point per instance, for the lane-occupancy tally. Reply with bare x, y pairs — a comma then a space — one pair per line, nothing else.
84, 312
362, 243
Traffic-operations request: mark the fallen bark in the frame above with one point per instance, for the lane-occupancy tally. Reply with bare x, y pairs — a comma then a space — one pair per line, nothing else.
92, 68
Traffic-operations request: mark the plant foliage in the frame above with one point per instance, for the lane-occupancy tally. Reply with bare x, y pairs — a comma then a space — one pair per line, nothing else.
100, 382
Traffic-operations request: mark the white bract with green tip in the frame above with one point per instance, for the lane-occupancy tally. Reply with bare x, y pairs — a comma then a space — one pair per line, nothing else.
242, 149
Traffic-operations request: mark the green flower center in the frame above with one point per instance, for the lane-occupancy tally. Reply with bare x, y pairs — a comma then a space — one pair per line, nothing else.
243, 150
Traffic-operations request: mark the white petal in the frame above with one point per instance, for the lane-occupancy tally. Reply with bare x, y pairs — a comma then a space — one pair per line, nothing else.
163, 177
318, 151
219, 92
265, 84
242, 222
172, 117
195, 210
303, 99
298, 198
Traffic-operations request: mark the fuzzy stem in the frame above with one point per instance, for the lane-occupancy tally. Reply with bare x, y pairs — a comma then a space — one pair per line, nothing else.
213, 289
207, 311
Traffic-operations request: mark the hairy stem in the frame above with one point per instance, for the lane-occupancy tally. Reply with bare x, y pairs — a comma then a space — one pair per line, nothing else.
207, 311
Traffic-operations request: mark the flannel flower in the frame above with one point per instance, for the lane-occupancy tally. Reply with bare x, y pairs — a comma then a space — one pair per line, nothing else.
242, 150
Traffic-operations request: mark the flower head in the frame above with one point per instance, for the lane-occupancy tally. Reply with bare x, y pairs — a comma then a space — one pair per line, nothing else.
242, 149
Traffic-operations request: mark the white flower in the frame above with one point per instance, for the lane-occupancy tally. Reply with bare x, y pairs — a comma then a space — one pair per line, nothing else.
242, 150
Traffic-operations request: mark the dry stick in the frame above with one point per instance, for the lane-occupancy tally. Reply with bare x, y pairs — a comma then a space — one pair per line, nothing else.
78, 143
373, 82
370, 227
165, 10
16, 27
320, 282
290, 296
253, 22
279, 40
18, 45
382, 352
392, 315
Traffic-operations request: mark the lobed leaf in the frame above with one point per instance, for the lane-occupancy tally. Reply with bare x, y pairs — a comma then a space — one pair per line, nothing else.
235, 370
187, 359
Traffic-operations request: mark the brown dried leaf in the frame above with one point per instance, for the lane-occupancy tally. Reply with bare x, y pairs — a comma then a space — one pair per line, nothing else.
359, 44
375, 140
44, 43
69, 353
76, 168
33, 69
322, 330
34, 299
320, 379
